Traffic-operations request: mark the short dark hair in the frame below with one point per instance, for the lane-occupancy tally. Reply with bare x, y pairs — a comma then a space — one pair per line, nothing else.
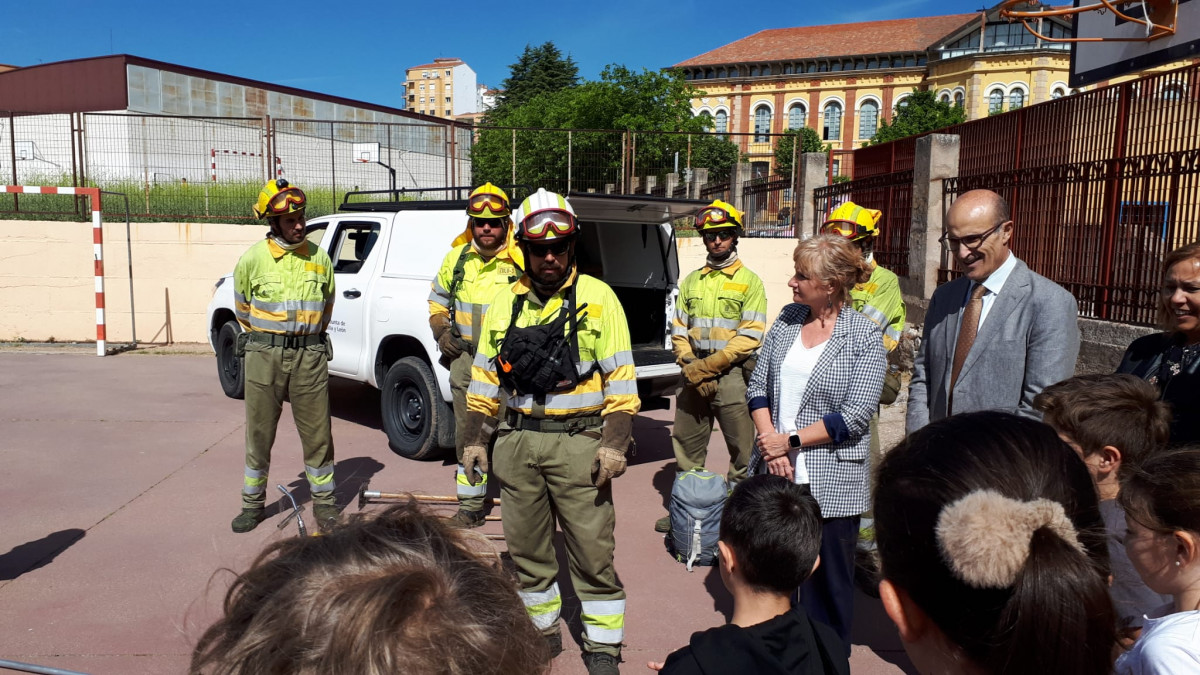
1097, 410
774, 528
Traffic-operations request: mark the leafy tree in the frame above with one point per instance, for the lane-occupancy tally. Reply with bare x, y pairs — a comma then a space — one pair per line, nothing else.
919, 113
540, 69
810, 141
621, 100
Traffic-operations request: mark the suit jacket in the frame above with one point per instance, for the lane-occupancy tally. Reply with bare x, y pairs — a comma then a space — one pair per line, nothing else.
1029, 341
846, 380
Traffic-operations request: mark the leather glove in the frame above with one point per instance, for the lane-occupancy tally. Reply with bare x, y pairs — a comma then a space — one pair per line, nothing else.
475, 463
608, 465
685, 359
614, 441
479, 430
447, 343
707, 388
707, 368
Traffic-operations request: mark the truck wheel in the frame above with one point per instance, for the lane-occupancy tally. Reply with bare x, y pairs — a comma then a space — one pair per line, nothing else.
229, 367
414, 415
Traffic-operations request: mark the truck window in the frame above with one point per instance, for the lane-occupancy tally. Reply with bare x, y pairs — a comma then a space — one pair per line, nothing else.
316, 232
354, 242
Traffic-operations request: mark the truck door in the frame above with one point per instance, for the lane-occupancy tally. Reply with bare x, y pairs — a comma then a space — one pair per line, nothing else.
355, 254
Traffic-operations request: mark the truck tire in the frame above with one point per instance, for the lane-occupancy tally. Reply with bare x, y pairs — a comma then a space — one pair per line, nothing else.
415, 418
230, 370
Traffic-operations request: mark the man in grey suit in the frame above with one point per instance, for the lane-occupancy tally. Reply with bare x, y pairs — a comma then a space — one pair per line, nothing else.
996, 336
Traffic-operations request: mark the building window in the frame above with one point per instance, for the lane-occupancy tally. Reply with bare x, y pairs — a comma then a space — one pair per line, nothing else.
447, 73
722, 122
833, 121
448, 112
796, 115
753, 71
995, 102
959, 99
1016, 99
447, 99
944, 98
1058, 92
868, 119
422, 86
762, 124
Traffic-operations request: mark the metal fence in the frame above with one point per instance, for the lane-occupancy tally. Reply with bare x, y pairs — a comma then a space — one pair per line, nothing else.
889, 192
211, 168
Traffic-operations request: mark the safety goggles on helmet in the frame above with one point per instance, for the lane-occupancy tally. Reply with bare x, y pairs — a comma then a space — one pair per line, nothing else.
482, 203
287, 200
845, 228
543, 223
714, 215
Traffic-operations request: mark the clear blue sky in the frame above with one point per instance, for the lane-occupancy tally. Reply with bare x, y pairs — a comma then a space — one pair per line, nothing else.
342, 49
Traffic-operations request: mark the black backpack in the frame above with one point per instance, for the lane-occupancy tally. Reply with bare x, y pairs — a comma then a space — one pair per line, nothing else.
542, 359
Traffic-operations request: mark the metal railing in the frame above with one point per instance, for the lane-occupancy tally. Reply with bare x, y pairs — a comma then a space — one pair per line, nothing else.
888, 192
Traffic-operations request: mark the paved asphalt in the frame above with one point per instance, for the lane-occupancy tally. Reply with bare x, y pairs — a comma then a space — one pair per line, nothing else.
121, 475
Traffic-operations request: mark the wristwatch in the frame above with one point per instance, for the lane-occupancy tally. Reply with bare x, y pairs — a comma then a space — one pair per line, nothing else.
794, 441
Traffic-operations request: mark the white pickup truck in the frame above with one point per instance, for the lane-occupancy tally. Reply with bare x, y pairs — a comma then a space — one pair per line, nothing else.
386, 254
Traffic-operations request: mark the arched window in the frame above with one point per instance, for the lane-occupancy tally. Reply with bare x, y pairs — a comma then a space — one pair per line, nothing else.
1058, 92
722, 121
708, 120
762, 124
996, 101
868, 119
796, 116
959, 99
945, 98
1016, 99
833, 121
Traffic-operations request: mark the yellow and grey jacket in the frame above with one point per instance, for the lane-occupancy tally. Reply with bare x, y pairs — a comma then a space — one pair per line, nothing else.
722, 309
880, 300
604, 352
481, 280
283, 292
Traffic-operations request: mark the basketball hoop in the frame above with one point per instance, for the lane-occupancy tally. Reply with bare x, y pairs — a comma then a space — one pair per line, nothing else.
1158, 16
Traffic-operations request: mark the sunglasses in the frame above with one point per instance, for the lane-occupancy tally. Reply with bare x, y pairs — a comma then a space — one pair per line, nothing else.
712, 214
481, 203
556, 247
495, 223
284, 200
723, 235
541, 224
972, 242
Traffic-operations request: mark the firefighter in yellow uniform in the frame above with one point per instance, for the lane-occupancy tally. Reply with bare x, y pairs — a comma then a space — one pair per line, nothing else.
556, 347
719, 323
482, 261
283, 295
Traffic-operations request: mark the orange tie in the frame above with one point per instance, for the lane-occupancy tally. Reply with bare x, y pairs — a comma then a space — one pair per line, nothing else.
966, 334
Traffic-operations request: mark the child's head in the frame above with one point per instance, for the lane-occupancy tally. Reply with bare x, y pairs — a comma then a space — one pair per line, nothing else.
992, 548
1095, 412
773, 529
396, 592
1161, 499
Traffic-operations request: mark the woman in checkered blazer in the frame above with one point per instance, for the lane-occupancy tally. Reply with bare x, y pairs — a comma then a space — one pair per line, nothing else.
817, 383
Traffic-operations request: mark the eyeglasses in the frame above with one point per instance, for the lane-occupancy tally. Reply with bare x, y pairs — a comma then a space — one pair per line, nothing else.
486, 202
538, 225
971, 241
723, 235
284, 201
554, 247
712, 214
495, 223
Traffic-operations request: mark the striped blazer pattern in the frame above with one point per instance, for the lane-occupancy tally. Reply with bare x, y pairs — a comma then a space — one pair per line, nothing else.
847, 379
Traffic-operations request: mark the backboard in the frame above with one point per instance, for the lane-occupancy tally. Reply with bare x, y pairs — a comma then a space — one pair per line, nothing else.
1102, 60
366, 152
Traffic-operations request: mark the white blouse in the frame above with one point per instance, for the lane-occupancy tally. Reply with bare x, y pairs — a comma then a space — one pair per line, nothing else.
794, 373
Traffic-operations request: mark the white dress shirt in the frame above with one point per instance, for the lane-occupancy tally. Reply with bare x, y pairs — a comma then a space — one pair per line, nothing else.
993, 284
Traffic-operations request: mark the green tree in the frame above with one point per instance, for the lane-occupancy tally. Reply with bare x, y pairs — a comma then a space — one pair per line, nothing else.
810, 141
539, 70
917, 114
621, 100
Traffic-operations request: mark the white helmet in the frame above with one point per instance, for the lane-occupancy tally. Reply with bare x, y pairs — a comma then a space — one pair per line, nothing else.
543, 216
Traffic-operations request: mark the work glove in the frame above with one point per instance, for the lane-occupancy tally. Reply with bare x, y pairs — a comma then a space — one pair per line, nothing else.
614, 441
447, 343
685, 358
475, 463
707, 389
707, 368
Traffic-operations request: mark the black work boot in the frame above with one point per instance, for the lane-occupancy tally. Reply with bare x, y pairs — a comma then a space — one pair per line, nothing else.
326, 516
248, 519
601, 664
465, 519
553, 643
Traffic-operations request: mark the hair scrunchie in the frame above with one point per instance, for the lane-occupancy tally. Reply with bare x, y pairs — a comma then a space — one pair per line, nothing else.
984, 536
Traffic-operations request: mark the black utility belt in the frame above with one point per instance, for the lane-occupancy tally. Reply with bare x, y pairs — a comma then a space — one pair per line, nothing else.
570, 425
287, 341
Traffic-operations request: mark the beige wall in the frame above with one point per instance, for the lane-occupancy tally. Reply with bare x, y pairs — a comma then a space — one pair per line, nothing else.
47, 283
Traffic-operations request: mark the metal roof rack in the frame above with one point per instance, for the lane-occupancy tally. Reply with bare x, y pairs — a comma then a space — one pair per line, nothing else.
420, 199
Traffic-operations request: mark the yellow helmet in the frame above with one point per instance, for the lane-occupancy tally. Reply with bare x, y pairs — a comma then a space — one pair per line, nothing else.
488, 201
277, 198
718, 215
852, 222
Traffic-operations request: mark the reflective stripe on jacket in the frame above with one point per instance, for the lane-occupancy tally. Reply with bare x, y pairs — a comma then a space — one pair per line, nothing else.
481, 281
283, 292
880, 300
722, 309
603, 341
